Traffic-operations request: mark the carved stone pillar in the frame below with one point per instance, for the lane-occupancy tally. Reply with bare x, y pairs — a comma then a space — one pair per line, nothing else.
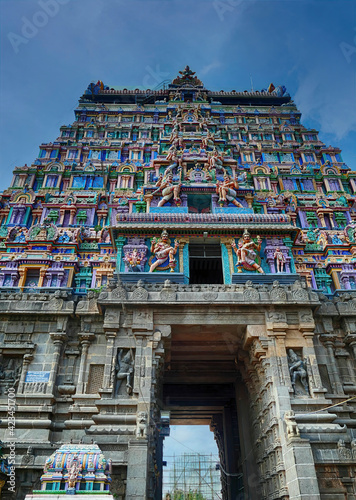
57, 339
25, 364
216, 426
183, 265
137, 470
332, 366
109, 362
315, 385
85, 340
139, 460
72, 215
61, 216
344, 363
350, 339
268, 359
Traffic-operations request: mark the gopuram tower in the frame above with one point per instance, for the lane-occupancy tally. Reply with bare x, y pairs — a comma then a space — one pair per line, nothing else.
180, 256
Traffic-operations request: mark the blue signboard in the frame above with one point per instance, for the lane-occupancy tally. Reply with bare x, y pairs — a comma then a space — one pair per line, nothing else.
37, 376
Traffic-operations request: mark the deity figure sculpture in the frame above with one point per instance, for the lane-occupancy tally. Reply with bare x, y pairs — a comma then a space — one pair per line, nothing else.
247, 252
322, 239
297, 370
280, 260
73, 472
167, 188
162, 250
226, 192
215, 160
124, 368
208, 140
141, 425
133, 260
172, 153
291, 424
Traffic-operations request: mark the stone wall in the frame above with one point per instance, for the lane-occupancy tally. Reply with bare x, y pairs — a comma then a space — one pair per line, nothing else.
92, 369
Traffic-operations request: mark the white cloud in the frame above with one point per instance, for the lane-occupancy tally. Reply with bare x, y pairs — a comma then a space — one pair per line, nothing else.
332, 103
209, 67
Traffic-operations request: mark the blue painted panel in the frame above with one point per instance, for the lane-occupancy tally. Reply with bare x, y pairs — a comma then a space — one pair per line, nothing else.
169, 210
232, 210
79, 182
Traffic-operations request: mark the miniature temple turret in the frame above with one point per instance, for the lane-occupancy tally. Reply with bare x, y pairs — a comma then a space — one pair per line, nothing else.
77, 470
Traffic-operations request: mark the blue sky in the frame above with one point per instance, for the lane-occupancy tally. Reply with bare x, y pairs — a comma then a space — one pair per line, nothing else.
190, 439
52, 49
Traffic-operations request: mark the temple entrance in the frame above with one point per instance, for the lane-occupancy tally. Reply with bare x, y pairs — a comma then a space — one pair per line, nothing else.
202, 385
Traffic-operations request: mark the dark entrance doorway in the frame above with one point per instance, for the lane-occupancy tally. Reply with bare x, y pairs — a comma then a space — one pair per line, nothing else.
205, 264
202, 385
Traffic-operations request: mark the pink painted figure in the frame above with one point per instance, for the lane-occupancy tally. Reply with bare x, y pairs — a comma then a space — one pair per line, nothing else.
162, 250
280, 260
168, 189
226, 192
247, 252
216, 160
172, 153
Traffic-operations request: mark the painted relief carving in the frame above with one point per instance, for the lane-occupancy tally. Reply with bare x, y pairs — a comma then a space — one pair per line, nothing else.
163, 251
247, 253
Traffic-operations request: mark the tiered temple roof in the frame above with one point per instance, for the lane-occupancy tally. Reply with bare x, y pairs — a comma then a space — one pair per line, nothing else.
203, 164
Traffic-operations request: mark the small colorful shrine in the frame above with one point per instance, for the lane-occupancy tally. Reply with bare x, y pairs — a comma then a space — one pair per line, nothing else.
200, 186
76, 470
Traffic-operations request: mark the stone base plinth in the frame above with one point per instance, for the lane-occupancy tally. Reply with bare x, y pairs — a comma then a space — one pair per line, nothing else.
264, 279
152, 277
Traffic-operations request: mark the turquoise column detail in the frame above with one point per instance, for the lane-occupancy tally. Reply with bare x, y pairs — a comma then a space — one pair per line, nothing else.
288, 243
27, 214
120, 242
9, 216
226, 264
185, 269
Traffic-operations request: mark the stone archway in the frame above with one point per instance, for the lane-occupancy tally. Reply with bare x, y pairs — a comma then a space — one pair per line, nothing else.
228, 345
202, 384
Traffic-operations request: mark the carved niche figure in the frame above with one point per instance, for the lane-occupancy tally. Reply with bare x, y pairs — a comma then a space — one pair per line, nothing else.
208, 141
227, 190
297, 370
10, 372
141, 425
280, 260
172, 152
124, 369
215, 160
162, 250
167, 188
73, 472
247, 253
133, 260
